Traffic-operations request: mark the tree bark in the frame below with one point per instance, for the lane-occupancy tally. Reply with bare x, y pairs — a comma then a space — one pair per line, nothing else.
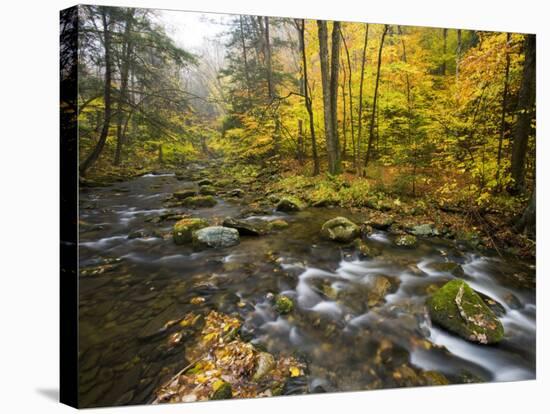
301, 26
526, 104
503, 109
334, 71
245, 59
360, 111
458, 52
444, 64
123, 94
375, 97
94, 155
350, 95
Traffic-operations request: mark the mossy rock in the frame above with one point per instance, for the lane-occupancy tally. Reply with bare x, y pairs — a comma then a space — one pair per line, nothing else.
459, 309
435, 378
205, 181
424, 230
183, 229
216, 236
283, 305
222, 391
183, 194
289, 204
200, 201
380, 222
407, 240
207, 190
279, 224
246, 227
340, 229
364, 250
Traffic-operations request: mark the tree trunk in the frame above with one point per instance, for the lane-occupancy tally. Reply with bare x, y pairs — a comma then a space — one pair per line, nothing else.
325, 83
94, 155
334, 71
350, 94
444, 64
375, 98
360, 112
526, 104
300, 25
300, 149
123, 94
528, 220
503, 109
245, 59
271, 86
344, 118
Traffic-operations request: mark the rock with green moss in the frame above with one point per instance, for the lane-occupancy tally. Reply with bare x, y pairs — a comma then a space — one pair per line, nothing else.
364, 250
447, 267
246, 227
459, 309
340, 229
435, 378
424, 230
183, 229
207, 190
223, 391
216, 236
283, 305
264, 364
278, 224
289, 204
200, 201
205, 181
380, 222
406, 240
185, 193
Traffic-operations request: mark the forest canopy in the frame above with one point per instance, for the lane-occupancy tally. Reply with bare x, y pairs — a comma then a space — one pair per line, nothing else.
445, 116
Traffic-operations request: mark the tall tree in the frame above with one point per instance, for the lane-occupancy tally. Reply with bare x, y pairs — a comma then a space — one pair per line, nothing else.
360, 111
526, 103
301, 27
503, 109
350, 96
94, 155
329, 81
375, 96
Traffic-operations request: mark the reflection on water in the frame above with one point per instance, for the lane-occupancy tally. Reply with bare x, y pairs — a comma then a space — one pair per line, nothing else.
356, 322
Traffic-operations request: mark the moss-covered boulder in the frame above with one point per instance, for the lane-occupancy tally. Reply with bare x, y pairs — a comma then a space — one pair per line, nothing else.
459, 309
264, 364
205, 181
183, 229
447, 267
424, 230
380, 221
200, 201
406, 240
207, 190
185, 193
283, 304
289, 204
340, 229
278, 224
215, 236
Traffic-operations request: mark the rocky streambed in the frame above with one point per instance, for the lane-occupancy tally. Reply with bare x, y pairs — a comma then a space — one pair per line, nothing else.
328, 299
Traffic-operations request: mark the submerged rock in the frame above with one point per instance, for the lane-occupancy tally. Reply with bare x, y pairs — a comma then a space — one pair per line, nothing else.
246, 227
447, 267
278, 224
200, 201
289, 204
340, 229
407, 240
216, 236
459, 309
183, 229
283, 304
364, 250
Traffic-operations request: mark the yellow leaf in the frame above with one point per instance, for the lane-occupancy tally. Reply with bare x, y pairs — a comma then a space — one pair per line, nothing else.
295, 371
217, 384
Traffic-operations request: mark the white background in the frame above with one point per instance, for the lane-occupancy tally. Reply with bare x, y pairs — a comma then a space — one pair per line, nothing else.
30, 209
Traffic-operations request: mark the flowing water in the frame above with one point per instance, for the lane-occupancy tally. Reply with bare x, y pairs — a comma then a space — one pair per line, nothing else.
348, 343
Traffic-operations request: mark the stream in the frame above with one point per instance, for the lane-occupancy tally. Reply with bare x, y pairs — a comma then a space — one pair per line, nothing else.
348, 345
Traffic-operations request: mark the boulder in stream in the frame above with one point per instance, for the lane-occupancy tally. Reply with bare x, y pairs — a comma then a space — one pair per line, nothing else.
185, 193
216, 236
200, 201
424, 230
406, 240
289, 204
183, 229
340, 229
283, 304
205, 181
459, 309
207, 190
246, 227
